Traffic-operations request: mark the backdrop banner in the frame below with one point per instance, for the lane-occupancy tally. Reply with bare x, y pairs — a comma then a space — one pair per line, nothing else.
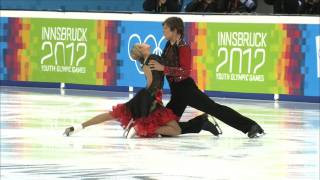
270, 58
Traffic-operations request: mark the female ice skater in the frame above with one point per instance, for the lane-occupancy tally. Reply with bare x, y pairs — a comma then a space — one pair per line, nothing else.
145, 111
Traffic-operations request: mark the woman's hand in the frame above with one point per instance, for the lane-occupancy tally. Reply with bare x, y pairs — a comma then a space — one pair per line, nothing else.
162, 2
154, 65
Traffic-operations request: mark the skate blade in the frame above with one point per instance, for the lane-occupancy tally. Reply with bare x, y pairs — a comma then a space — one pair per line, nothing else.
127, 129
131, 133
214, 122
259, 135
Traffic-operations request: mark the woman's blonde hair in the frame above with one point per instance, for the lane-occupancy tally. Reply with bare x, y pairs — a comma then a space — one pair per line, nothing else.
136, 53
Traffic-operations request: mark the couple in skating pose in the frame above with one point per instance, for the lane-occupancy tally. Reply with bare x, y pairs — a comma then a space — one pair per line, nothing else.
146, 116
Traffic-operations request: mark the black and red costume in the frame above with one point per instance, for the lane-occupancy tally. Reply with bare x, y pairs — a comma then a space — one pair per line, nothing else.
146, 107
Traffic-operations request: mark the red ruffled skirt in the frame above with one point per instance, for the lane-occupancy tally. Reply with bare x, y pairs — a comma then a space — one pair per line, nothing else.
146, 126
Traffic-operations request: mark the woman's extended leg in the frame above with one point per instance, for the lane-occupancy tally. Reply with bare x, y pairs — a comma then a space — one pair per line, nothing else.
170, 129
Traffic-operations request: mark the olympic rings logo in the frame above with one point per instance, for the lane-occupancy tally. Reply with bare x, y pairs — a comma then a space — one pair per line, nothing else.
157, 50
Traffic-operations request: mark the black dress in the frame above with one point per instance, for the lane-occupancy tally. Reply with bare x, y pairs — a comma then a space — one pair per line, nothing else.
146, 107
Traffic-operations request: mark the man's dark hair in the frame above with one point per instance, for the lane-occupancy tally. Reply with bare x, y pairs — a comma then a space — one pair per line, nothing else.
175, 23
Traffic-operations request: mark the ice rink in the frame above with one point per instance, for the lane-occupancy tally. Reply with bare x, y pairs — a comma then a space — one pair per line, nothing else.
32, 145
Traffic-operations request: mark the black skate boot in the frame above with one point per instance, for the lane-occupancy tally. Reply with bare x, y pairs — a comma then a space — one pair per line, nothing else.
256, 131
211, 125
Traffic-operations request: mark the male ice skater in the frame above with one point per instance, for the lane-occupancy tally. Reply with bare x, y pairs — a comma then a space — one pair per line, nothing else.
176, 65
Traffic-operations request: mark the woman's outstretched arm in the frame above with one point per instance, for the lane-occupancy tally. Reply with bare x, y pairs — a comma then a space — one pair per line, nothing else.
98, 119
95, 120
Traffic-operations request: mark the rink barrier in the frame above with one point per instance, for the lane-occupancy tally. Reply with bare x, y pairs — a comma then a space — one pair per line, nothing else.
254, 96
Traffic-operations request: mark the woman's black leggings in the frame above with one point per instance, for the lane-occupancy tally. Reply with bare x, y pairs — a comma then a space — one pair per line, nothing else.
186, 93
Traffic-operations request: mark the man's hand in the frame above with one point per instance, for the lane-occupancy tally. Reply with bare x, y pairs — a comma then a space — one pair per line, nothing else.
154, 65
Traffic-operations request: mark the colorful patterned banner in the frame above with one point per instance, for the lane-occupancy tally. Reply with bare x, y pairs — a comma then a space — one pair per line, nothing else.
231, 57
